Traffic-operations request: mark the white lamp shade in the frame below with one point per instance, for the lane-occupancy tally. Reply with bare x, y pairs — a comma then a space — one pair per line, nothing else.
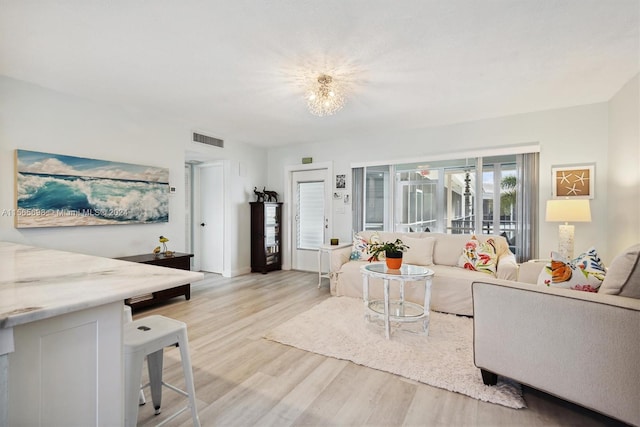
568, 210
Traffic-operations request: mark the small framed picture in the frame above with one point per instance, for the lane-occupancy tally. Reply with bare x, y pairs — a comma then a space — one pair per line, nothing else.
341, 181
573, 181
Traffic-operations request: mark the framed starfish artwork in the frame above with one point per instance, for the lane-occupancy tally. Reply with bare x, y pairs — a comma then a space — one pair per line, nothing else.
573, 181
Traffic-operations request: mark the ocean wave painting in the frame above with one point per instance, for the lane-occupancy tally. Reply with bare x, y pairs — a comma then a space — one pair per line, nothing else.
55, 191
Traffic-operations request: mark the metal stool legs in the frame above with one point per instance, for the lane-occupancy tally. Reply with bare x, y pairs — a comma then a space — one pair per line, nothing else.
147, 337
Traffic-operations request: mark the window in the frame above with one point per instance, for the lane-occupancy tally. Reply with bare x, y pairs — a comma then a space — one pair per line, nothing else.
490, 195
376, 196
310, 232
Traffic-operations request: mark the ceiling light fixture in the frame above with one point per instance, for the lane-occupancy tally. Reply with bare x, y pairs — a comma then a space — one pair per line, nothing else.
325, 96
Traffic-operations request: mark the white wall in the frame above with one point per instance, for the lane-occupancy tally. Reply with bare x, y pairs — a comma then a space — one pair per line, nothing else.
623, 184
245, 167
566, 136
38, 119
34, 118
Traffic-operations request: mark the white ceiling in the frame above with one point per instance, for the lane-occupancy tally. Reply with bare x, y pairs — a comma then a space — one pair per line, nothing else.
232, 68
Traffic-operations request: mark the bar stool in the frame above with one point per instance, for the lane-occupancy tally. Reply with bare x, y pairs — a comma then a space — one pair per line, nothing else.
147, 337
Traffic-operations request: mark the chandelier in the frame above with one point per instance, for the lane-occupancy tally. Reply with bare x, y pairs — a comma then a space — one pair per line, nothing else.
325, 96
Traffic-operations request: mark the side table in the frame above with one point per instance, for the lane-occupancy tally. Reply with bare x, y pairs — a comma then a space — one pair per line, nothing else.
397, 310
179, 260
327, 249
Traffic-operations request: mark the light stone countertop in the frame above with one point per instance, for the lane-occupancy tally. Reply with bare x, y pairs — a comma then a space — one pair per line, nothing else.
38, 283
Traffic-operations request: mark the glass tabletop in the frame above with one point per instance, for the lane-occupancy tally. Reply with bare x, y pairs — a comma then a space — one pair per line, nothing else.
380, 269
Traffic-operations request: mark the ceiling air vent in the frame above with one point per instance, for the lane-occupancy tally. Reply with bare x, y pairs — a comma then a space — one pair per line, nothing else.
209, 140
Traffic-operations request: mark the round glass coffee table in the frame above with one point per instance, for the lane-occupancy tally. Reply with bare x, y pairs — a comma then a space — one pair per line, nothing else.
397, 310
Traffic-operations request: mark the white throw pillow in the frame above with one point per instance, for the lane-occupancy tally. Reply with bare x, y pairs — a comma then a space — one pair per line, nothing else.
420, 251
584, 273
479, 256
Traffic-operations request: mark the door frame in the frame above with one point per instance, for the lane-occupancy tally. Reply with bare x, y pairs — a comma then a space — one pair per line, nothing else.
288, 205
196, 213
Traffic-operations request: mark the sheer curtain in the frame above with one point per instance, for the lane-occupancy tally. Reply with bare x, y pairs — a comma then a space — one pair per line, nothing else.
357, 199
528, 178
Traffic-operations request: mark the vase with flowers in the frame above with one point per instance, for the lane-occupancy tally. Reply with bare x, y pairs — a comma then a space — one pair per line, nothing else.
392, 251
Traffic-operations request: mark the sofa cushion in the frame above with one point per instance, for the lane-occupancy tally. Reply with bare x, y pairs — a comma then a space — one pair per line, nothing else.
447, 248
584, 273
420, 251
479, 256
623, 276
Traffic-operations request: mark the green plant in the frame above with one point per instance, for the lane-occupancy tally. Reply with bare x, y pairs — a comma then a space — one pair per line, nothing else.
508, 194
375, 249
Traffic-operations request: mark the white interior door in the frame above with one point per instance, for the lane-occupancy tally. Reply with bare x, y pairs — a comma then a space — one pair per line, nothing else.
310, 191
211, 224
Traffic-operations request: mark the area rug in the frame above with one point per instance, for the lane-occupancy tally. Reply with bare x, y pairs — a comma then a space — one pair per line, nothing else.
337, 328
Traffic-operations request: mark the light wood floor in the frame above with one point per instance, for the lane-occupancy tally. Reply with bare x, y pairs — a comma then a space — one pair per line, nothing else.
244, 380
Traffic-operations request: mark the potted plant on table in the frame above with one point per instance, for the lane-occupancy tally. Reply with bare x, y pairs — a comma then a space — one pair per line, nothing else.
392, 251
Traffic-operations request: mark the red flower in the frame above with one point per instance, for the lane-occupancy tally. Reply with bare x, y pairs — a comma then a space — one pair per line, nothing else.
469, 266
485, 258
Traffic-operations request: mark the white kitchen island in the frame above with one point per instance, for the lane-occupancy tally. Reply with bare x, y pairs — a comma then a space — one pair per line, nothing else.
61, 361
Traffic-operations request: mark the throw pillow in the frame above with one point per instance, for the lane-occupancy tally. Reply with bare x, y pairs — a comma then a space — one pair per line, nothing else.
359, 251
584, 273
623, 276
479, 256
420, 251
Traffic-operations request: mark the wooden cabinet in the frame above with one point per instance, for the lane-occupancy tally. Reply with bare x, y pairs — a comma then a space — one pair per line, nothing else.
178, 260
266, 235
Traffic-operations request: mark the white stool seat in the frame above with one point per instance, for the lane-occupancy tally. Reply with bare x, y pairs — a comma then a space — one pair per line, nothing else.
147, 337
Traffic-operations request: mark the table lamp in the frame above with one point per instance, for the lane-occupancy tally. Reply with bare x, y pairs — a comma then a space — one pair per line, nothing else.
567, 210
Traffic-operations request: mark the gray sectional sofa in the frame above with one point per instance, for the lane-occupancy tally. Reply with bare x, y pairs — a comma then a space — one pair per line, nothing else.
583, 347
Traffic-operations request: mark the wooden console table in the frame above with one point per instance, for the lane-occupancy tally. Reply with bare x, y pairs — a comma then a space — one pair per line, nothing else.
178, 260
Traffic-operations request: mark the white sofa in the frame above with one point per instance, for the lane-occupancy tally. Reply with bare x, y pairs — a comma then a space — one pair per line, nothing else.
583, 347
451, 288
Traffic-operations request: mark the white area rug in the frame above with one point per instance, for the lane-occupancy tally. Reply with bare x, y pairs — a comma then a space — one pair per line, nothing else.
337, 328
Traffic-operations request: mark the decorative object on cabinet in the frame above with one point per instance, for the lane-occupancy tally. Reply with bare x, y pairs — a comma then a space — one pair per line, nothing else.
270, 196
265, 195
266, 236
259, 195
177, 260
54, 190
167, 253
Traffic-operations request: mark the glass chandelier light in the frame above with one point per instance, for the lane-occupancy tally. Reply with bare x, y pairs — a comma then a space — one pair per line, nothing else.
325, 97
